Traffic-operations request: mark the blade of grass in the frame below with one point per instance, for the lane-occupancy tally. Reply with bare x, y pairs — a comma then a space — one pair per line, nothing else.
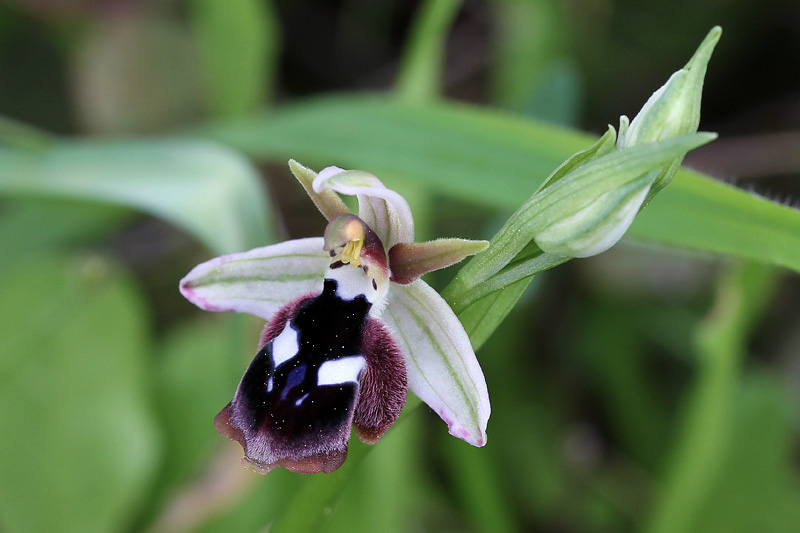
420, 75
238, 44
706, 429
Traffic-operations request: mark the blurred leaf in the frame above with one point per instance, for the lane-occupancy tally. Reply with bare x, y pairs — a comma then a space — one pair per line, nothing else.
259, 507
135, 74
209, 191
495, 159
709, 412
311, 502
533, 73
420, 75
238, 45
756, 486
613, 347
478, 485
388, 492
21, 135
526, 437
193, 383
28, 225
79, 443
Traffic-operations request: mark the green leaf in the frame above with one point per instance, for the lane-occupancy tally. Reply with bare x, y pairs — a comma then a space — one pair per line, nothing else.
421, 71
533, 72
79, 442
27, 225
193, 382
209, 191
756, 486
237, 42
496, 159
708, 427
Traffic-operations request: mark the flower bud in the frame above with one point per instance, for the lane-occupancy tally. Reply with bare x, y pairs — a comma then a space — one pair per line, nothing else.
672, 110
588, 209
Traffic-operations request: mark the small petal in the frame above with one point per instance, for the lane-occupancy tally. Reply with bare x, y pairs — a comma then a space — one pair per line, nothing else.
385, 211
441, 364
383, 388
260, 281
409, 261
328, 203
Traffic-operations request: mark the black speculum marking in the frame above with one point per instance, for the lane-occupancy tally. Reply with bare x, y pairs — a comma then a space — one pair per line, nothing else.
295, 408
374, 284
337, 264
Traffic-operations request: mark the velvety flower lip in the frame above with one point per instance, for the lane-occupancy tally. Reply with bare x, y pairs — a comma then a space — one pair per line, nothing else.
405, 324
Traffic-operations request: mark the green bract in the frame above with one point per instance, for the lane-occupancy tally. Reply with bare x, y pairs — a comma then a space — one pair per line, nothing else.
587, 210
587, 204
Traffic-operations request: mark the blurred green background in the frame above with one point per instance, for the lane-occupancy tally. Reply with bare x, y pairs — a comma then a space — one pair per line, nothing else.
650, 388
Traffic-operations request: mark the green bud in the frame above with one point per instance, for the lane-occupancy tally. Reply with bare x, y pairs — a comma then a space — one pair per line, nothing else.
587, 210
588, 203
672, 110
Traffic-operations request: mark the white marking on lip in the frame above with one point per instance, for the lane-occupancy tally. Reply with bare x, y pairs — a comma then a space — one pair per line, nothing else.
352, 282
341, 370
284, 346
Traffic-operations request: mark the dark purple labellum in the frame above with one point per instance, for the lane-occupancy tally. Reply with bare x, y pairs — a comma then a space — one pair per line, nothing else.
323, 365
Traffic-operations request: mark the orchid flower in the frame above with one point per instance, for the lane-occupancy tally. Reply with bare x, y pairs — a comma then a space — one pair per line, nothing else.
350, 328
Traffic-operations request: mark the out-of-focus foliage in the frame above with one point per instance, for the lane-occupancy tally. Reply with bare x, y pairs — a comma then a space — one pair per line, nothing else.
640, 390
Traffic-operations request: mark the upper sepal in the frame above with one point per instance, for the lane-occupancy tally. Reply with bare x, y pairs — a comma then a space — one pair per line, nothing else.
328, 203
383, 210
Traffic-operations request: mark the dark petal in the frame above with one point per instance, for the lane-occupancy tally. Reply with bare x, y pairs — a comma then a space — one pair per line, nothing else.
274, 327
295, 403
312, 464
384, 385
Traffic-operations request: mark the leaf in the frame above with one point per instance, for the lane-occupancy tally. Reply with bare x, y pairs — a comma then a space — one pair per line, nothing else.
707, 426
206, 189
27, 225
533, 72
755, 488
193, 381
421, 70
79, 442
237, 42
481, 317
495, 159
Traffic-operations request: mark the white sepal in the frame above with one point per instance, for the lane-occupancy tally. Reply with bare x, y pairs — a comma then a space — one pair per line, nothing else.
441, 364
258, 282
